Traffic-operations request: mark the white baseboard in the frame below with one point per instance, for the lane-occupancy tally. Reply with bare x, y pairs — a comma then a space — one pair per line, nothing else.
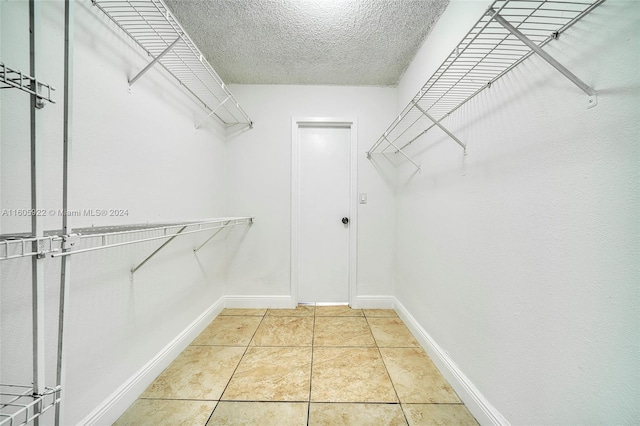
116, 404
374, 302
273, 302
478, 405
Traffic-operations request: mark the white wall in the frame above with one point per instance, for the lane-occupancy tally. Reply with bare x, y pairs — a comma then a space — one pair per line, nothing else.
259, 177
521, 260
137, 151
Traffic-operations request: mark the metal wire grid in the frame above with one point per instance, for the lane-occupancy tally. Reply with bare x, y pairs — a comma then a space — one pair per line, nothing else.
13, 247
16, 246
152, 26
19, 405
108, 237
10, 78
485, 54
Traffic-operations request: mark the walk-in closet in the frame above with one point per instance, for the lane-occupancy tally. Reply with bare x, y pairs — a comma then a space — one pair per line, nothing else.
319, 212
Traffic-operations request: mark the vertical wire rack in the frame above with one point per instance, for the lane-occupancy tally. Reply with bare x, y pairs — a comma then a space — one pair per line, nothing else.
153, 27
508, 33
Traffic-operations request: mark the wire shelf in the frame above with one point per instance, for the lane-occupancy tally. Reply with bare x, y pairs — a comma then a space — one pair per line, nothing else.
486, 53
154, 28
20, 406
21, 245
99, 238
13, 246
10, 78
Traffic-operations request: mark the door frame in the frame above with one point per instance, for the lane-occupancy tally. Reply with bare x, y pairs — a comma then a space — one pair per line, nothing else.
349, 123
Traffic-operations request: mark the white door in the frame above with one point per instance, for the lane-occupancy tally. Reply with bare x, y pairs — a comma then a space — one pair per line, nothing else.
324, 185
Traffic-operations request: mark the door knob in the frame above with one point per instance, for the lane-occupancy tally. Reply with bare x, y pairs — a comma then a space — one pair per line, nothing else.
345, 220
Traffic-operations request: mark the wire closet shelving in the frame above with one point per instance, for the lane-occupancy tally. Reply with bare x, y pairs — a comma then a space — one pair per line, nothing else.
508, 33
54, 244
22, 404
153, 27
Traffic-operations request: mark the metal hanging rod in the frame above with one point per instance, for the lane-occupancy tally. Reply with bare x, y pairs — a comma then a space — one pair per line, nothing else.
508, 33
153, 27
10, 78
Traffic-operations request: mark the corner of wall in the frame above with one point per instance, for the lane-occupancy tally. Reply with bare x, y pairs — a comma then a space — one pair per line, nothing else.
117, 403
476, 403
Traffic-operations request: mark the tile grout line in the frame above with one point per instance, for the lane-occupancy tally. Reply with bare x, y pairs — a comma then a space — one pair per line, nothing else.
246, 347
239, 361
387, 370
313, 337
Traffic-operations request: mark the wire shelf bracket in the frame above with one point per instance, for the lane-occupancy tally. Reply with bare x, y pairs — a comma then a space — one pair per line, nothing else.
197, 249
10, 78
505, 35
16, 246
548, 58
156, 251
153, 27
437, 123
216, 225
152, 63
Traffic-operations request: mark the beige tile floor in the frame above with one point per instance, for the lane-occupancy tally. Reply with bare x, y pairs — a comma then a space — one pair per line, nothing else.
324, 365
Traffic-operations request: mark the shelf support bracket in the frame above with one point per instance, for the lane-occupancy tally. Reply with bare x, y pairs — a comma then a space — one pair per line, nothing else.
437, 123
403, 153
422, 133
158, 250
213, 111
544, 55
376, 145
213, 236
152, 63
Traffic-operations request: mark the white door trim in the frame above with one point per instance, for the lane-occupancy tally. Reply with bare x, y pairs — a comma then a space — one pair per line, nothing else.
350, 123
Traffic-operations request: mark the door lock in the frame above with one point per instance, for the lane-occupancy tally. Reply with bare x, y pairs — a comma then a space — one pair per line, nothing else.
345, 220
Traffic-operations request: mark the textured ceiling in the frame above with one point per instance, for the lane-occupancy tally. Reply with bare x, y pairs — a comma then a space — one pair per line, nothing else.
341, 42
